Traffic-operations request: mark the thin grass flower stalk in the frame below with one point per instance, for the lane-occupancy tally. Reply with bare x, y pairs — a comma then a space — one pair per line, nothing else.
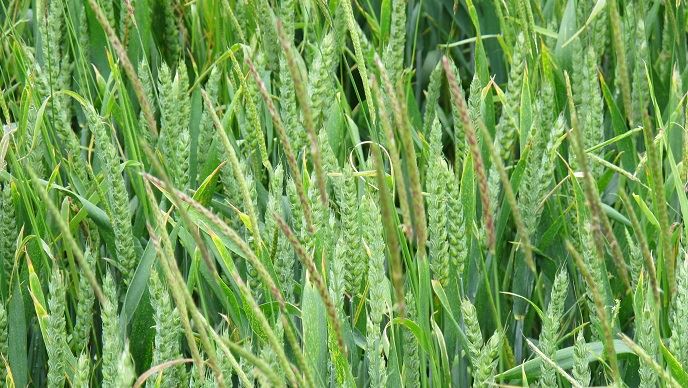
358, 40
472, 140
621, 62
600, 223
305, 104
601, 312
285, 139
402, 122
145, 104
649, 264
390, 229
236, 170
391, 145
307, 261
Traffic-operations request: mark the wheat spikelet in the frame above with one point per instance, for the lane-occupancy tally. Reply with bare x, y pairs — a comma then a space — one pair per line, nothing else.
56, 329
551, 325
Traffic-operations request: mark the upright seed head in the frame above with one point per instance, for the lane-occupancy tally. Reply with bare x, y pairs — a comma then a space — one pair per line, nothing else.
56, 328
411, 367
549, 335
112, 343
472, 330
8, 232
485, 370
167, 332
84, 310
678, 343
581, 369
120, 215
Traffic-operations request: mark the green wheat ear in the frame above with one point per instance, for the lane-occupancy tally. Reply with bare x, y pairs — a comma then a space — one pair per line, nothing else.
350, 215
120, 215
206, 130
437, 181
432, 96
146, 77
472, 330
393, 57
637, 261
646, 335
379, 297
678, 343
170, 31
279, 246
4, 344
56, 329
411, 367
487, 362
82, 373
507, 129
641, 88
84, 310
125, 369
112, 342
175, 139
581, 369
322, 89
456, 228
549, 335
8, 233
167, 332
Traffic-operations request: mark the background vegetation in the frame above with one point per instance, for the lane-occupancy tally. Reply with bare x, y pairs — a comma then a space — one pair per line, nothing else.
343, 193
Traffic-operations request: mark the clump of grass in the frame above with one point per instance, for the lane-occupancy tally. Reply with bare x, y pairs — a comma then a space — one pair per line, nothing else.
179, 194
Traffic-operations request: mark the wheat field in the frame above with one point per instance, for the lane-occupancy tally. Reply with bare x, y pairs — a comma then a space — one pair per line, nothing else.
343, 193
